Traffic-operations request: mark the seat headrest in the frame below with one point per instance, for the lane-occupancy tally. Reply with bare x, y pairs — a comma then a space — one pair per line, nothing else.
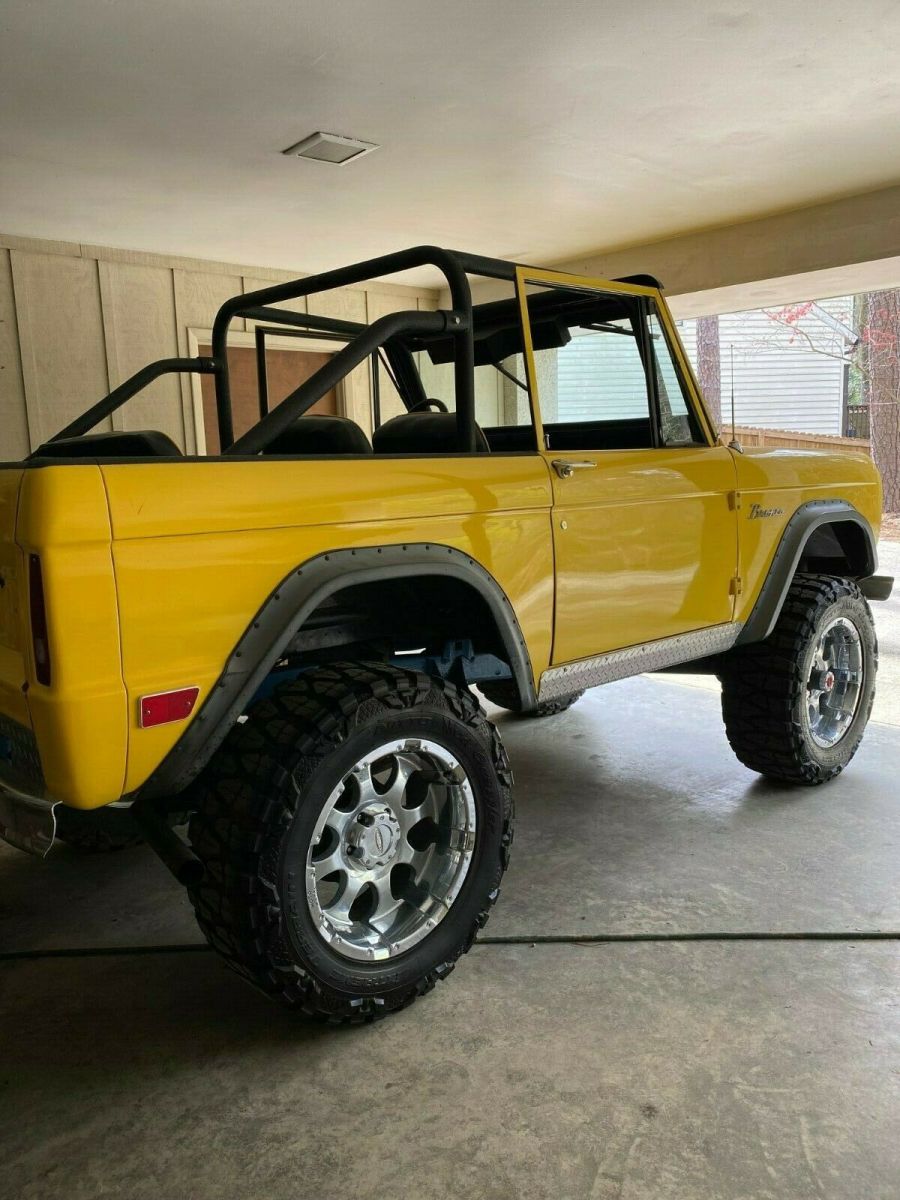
315, 434
422, 433
131, 443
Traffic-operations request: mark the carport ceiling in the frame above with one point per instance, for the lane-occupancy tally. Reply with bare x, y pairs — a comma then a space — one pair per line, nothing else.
511, 127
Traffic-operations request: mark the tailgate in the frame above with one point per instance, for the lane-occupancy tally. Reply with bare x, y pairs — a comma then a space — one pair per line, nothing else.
13, 605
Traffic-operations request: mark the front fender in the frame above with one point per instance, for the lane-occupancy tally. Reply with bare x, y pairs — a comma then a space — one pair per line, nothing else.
797, 532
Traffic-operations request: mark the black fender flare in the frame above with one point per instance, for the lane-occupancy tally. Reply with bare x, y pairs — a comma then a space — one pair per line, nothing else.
807, 518
283, 613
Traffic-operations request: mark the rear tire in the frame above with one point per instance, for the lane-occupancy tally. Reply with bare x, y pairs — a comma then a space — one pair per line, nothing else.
791, 713
320, 796
506, 695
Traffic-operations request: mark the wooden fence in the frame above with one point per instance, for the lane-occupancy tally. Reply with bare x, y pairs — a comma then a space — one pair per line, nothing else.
788, 440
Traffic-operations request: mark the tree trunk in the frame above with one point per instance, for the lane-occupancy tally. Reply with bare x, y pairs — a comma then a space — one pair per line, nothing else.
879, 354
708, 366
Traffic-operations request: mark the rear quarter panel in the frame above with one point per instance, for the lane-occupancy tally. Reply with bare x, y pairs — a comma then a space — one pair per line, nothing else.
13, 628
199, 546
80, 719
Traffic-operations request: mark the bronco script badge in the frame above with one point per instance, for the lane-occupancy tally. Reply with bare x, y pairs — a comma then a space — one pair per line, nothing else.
757, 512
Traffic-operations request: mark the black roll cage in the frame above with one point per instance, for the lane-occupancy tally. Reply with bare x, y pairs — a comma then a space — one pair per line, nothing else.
365, 340
380, 340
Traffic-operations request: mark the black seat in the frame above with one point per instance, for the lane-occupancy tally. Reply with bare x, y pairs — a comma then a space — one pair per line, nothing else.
315, 434
131, 443
422, 433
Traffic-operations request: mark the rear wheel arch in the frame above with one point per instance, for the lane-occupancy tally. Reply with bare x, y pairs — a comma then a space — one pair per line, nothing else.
282, 616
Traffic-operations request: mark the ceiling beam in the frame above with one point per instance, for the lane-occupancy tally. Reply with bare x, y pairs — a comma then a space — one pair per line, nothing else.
836, 248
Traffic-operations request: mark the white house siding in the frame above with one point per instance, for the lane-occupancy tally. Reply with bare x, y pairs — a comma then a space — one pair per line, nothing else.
687, 331
780, 381
600, 377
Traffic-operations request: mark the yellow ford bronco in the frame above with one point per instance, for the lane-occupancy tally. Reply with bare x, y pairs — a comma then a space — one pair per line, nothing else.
280, 641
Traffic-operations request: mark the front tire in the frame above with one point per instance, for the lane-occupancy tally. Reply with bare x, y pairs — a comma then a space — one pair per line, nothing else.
796, 705
354, 831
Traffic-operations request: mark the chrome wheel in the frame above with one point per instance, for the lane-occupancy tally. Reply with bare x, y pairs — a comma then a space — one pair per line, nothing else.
835, 682
390, 850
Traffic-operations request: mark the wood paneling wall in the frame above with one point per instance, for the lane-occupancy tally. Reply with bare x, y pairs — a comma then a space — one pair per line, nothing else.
60, 338
14, 442
77, 320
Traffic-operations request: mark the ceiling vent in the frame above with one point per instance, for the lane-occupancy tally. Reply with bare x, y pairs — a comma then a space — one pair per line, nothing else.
330, 148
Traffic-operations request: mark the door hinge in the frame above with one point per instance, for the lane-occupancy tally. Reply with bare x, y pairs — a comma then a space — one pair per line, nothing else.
735, 585
734, 501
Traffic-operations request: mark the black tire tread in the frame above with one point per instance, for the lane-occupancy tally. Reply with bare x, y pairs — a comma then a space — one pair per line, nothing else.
241, 797
761, 685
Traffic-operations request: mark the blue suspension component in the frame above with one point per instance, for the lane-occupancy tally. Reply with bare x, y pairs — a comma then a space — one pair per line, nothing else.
457, 661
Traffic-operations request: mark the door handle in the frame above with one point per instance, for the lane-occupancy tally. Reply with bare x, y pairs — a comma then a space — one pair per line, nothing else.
565, 468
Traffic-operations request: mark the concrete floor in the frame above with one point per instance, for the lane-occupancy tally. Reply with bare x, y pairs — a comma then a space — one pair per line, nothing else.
689, 1070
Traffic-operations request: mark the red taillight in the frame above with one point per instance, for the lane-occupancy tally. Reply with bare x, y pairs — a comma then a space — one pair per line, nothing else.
162, 707
39, 639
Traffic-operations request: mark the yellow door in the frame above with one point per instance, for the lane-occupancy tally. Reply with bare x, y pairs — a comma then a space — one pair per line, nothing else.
645, 547
645, 535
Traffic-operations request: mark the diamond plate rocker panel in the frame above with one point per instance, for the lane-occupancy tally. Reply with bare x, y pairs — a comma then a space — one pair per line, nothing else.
634, 660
